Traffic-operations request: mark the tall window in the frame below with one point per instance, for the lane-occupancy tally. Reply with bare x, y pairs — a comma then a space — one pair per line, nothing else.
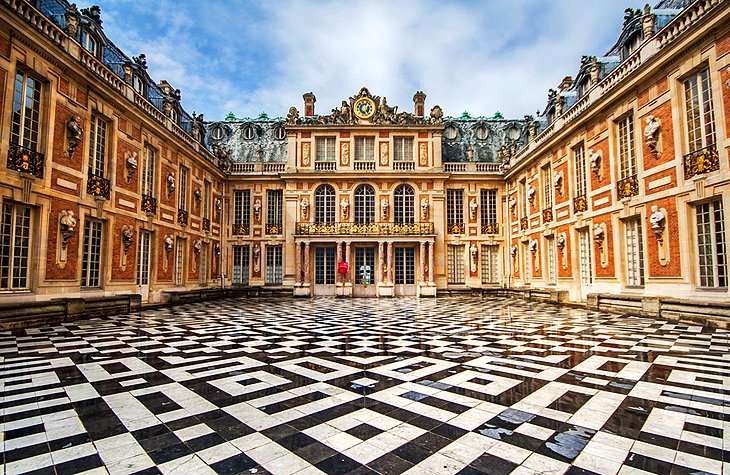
405, 265
586, 260
324, 204
579, 159
455, 211
490, 264
26, 111
551, 262
524, 204
711, 244
242, 208
364, 204
89, 43
403, 204
148, 172
364, 265
143, 259
91, 254
364, 149
182, 187
489, 207
626, 153
179, 261
634, 253
698, 103
325, 149
455, 256
403, 149
97, 146
273, 265
14, 246
274, 211
206, 200
240, 265
547, 188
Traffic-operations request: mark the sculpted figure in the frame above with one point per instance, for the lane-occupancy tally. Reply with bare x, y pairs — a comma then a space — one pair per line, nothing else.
656, 219
68, 226
424, 208
651, 133
168, 243
74, 132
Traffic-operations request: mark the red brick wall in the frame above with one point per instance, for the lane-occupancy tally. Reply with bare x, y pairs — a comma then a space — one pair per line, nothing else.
53, 271
128, 273
673, 268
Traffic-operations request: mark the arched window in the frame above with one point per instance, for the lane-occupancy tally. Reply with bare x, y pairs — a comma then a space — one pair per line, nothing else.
324, 204
403, 204
364, 204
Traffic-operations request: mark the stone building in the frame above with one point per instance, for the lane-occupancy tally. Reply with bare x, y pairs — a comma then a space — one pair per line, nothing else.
617, 189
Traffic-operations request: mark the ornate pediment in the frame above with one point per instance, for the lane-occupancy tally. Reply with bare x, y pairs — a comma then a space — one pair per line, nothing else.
366, 109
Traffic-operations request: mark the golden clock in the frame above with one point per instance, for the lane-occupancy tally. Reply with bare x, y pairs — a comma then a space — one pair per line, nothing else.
364, 108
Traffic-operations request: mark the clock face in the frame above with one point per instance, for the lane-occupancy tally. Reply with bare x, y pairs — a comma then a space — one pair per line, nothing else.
364, 108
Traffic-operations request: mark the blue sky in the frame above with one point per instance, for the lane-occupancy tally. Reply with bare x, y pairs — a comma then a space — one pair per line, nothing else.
476, 56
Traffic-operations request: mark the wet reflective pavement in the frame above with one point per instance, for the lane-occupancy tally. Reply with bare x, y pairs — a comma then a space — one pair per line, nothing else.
457, 385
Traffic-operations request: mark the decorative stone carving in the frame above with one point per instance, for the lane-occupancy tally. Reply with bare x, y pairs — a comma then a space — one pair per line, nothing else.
131, 165
599, 236
198, 195
218, 206
304, 205
345, 153
513, 205
74, 134
558, 182
257, 210
595, 70
424, 208
560, 241
169, 242
73, 19
651, 134
140, 61
196, 246
657, 220
595, 158
256, 258
344, 206
474, 253
513, 251
67, 227
93, 12
126, 237
532, 246
170, 183
306, 154
198, 128
383, 154
531, 127
647, 22
558, 105
384, 206
437, 115
473, 208
217, 249
292, 117
531, 194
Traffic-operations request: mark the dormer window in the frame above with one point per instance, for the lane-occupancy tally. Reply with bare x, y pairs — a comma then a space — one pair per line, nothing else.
279, 133
174, 115
631, 45
138, 84
217, 132
482, 132
450, 132
249, 133
90, 43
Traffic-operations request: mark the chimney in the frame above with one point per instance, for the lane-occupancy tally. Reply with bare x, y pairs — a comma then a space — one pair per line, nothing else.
419, 98
565, 85
309, 101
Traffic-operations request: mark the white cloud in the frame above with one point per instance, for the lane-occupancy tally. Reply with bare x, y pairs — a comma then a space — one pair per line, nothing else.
475, 56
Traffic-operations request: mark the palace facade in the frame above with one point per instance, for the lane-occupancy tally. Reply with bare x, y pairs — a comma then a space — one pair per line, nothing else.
617, 188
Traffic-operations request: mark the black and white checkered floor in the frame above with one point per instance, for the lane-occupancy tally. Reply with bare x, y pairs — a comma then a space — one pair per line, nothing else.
365, 386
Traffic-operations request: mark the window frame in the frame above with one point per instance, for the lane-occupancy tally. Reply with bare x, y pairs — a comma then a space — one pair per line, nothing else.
403, 149
706, 114
325, 144
92, 252
718, 264
98, 140
20, 124
325, 204
364, 198
404, 204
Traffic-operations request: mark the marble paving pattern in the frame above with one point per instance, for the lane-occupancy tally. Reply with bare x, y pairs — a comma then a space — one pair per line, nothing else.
365, 386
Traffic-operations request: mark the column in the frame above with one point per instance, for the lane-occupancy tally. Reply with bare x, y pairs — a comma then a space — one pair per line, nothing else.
389, 271
297, 262
306, 262
338, 259
380, 277
430, 262
347, 259
422, 255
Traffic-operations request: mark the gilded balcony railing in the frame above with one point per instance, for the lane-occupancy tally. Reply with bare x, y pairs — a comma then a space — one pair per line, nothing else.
274, 228
628, 187
182, 217
455, 228
580, 203
240, 229
523, 223
490, 228
364, 229
25, 160
701, 161
206, 224
98, 186
149, 204
547, 215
